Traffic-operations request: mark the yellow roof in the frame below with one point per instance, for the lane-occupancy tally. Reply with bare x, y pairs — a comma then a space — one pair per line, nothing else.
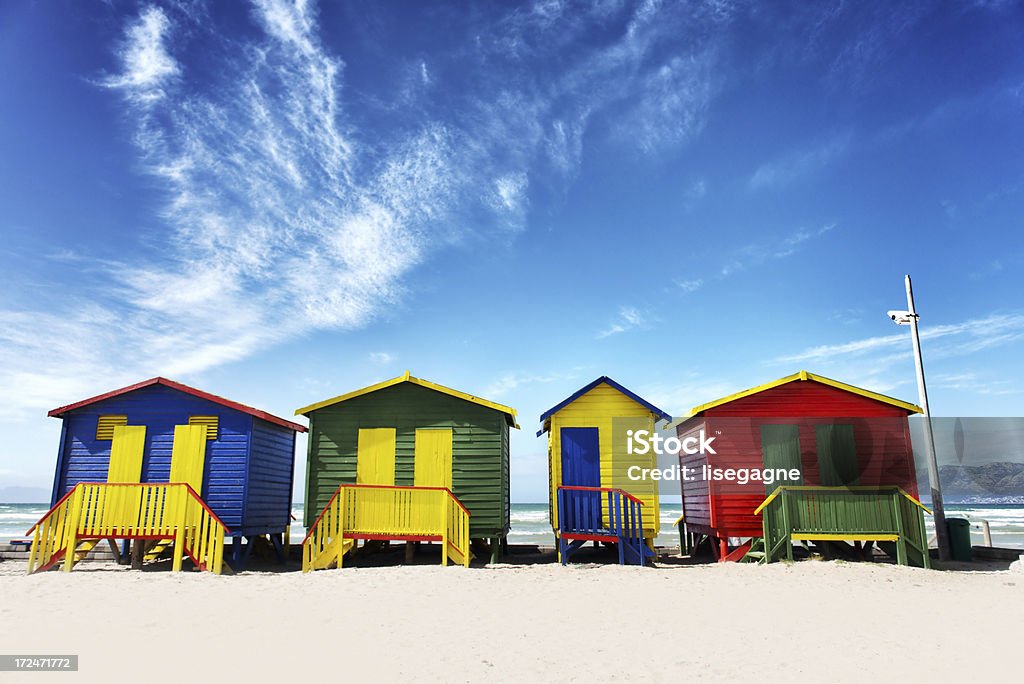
406, 377
804, 376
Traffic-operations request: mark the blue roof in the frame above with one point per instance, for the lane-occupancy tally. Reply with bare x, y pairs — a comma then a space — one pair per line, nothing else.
658, 413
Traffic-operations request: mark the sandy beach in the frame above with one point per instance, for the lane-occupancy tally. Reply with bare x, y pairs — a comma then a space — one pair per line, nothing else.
807, 621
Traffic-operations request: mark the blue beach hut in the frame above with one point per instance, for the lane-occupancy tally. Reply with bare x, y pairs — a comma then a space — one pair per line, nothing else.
243, 473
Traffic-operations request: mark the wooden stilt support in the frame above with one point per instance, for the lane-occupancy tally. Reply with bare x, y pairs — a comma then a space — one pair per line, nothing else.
138, 552
179, 548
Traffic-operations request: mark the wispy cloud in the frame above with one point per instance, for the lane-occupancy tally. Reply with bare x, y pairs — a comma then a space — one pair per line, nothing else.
283, 215
509, 197
857, 59
862, 346
885, 363
849, 316
147, 65
749, 256
881, 363
690, 389
627, 319
381, 358
659, 100
798, 164
691, 285
1006, 262
673, 106
954, 380
279, 221
957, 339
757, 253
697, 190
694, 193
508, 382
793, 242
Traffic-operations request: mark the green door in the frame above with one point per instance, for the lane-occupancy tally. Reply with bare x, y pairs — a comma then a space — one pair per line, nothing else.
780, 448
837, 455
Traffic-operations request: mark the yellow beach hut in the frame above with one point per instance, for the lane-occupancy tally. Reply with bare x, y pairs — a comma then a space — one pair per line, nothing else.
592, 498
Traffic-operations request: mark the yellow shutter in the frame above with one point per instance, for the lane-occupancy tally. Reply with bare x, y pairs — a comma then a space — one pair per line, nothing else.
375, 461
433, 466
212, 424
105, 426
126, 453
188, 456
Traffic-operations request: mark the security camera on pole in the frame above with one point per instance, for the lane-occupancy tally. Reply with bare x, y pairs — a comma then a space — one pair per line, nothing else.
910, 317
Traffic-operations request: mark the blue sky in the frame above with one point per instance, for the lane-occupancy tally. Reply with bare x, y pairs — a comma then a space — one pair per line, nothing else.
280, 202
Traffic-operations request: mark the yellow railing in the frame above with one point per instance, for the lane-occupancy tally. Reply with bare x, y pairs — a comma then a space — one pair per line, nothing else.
384, 512
92, 511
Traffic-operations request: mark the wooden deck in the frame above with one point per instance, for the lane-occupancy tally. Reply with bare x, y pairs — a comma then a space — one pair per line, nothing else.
887, 516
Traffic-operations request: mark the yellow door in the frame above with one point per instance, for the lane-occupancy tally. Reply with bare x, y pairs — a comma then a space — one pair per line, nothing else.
433, 465
126, 454
126, 447
188, 456
375, 460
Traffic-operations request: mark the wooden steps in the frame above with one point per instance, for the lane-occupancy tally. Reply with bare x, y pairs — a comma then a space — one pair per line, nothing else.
754, 552
328, 558
602, 514
157, 548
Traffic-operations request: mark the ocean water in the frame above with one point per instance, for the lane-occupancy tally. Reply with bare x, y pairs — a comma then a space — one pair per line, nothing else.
530, 522
1006, 521
15, 519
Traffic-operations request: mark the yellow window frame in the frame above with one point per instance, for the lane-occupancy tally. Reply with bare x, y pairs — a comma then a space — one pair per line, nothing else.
105, 425
212, 424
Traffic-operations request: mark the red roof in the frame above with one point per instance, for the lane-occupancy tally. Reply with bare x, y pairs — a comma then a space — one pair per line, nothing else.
262, 415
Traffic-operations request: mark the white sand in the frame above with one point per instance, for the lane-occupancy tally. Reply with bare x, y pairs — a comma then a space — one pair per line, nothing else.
810, 621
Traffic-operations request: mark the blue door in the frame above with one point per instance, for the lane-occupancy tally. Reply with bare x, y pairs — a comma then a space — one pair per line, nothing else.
581, 467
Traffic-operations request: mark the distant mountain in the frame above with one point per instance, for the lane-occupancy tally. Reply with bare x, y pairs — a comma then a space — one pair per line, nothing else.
990, 479
24, 495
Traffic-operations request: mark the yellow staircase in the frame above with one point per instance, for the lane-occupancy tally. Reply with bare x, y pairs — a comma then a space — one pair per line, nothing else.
328, 556
124, 508
156, 549
370, 512
84, 548
91, 512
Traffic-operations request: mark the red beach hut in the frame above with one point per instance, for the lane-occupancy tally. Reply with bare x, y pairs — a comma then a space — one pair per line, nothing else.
850, 447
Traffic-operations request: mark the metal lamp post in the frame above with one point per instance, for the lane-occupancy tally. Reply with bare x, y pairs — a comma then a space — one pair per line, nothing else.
909, 317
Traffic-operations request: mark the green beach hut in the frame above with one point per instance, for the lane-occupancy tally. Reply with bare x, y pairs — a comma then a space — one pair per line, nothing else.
386, 449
